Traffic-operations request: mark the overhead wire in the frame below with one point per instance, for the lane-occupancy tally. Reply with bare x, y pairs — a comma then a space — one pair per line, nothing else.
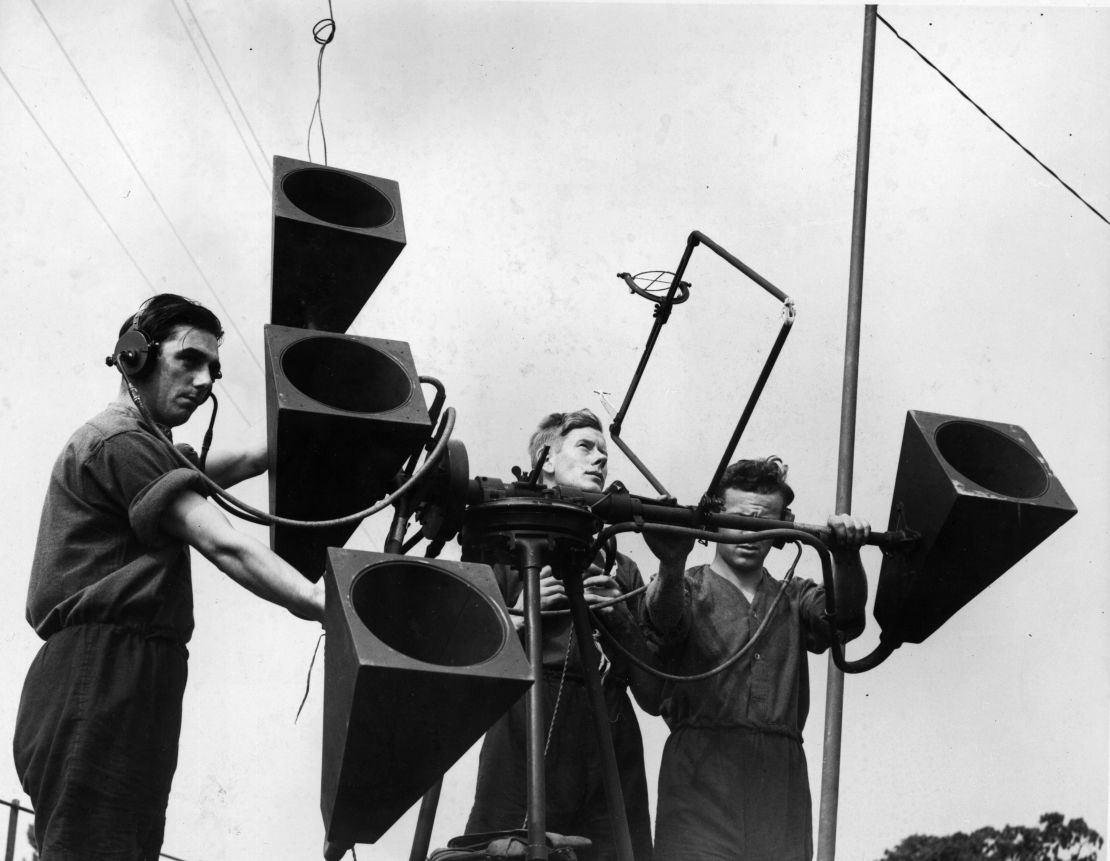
103, 218
80, 185
231, 89
154, 197
323, 31
219, 93
995, 122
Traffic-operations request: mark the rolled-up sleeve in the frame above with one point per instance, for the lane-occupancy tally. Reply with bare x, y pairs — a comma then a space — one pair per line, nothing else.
147, 508
144, 478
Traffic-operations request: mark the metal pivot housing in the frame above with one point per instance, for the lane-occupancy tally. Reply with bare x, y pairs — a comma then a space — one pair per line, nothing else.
530, 533
566, 528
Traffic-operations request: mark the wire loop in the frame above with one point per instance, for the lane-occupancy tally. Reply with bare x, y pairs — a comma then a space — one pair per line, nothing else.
319, 34
323, 31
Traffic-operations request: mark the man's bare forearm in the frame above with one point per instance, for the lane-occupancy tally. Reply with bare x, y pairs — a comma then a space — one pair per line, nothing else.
254, 567
248, 562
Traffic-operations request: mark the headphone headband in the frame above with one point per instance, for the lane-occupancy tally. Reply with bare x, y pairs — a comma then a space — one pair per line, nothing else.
136, 349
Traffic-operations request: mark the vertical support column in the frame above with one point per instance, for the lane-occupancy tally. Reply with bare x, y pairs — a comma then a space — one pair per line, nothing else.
429, 804
13, 821
834, 703
530, 564
425, 820
614, 794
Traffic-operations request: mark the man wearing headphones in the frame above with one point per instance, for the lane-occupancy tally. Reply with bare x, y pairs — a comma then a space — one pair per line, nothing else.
733, 781
110, 593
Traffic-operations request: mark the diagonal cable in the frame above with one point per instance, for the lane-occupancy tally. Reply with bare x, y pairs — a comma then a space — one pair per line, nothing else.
231, 89
150, 191
227, 83
995, 122
169, 221
80, 185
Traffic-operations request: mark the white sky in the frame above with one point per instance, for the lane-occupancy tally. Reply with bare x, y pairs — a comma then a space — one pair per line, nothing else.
541, 149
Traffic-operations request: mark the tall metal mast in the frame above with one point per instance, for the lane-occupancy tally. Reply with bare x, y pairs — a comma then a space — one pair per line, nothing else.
834, 703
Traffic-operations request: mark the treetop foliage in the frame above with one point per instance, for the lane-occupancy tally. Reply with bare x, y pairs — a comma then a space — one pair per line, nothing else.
1055, 840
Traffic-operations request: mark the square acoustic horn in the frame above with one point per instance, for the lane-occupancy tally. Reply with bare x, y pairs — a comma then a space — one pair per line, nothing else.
421, 659
343, 414
982, 497
335, 235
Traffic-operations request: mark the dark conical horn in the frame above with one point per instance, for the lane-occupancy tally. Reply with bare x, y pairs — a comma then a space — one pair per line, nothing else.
343, 413
335, 235
982, 497
421, 659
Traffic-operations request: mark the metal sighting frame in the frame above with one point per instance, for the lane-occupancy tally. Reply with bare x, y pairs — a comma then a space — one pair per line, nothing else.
678, 292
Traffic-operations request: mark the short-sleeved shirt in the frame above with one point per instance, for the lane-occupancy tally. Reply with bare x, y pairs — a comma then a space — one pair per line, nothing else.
102, 556
733, 780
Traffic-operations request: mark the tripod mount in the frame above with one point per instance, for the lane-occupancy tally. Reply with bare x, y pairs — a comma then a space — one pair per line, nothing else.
529, 533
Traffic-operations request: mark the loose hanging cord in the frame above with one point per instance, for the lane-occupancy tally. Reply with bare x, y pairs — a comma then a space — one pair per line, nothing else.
861, 665
558, 697
609, 532
323, 32
207, 444
555, 708
724, 665
308, 679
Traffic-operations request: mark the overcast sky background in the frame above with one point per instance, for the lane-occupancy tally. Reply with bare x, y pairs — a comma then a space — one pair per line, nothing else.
541, 149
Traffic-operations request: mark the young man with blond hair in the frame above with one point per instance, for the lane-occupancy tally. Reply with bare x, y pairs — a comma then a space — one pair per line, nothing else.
577, 457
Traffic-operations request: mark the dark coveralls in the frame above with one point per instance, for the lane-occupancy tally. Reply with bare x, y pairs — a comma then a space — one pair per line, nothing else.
575, 788
733, 782
97, 731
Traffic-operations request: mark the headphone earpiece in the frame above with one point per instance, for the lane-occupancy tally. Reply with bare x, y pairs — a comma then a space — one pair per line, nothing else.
788, 516
132, 352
